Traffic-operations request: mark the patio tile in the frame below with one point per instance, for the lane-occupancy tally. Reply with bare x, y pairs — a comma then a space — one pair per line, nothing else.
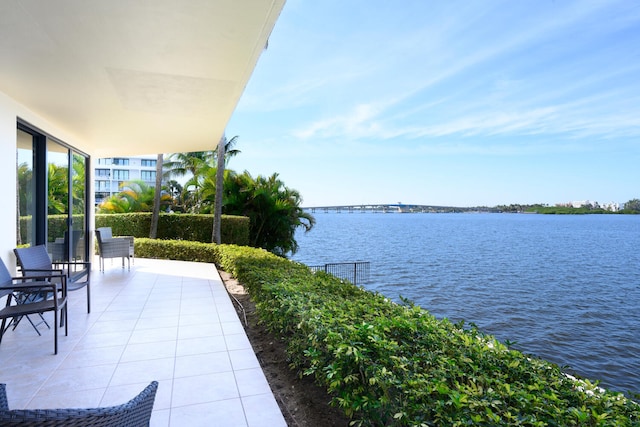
143, 371
251, 382
157, 311
116, 395
263, 411
139, 336
237, 342
200, 345
115, 324
78, 379
157, 322
201, 364
69, 398
149, 351
225, 413
243, 359
93, 357
231, 328
109, 339
160, 418
204, 388
168, 321
200, 331
211, 318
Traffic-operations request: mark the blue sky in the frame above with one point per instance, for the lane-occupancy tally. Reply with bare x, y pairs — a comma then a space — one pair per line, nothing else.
457, 103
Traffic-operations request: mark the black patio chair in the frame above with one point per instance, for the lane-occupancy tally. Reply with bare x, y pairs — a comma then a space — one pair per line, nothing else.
35, 261
134, 413
29, 295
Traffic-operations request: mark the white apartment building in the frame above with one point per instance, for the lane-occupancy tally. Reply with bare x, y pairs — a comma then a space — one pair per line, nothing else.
111, 172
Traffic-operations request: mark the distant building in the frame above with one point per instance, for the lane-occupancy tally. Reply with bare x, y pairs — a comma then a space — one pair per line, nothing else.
611, 206
110, 173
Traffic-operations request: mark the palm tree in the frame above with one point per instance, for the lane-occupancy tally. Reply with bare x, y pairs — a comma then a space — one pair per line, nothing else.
273, 209
136, 196
217, 204
79, 184
183, 164
58, 187
196, 165
156, 198
229, 151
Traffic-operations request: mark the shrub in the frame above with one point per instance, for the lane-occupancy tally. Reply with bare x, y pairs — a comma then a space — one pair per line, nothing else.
390, 364
175, 249
192, 227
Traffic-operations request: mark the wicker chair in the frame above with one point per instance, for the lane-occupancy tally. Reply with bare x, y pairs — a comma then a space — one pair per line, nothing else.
134, 413
114, 247
35, 261
33, 295
59, 249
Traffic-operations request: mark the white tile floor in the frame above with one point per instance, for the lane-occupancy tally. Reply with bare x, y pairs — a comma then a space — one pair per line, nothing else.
164, 320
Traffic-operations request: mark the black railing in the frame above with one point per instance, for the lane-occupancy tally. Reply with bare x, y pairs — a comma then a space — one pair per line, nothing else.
355, 272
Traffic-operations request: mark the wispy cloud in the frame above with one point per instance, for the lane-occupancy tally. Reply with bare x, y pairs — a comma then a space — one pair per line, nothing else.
521, 100
496, 79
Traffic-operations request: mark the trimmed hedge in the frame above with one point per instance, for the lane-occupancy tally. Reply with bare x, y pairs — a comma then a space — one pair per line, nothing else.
56, 226
388, 364
175, 249
191, 227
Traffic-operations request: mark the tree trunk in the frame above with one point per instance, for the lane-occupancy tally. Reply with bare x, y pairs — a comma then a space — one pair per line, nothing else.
217, 213
153, 233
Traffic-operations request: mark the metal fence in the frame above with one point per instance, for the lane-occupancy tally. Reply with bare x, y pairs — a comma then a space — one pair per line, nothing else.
355, 272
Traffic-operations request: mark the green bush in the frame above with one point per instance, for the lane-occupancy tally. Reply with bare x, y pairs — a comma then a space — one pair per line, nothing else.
175, 249
389, 364
56, 226
197, 228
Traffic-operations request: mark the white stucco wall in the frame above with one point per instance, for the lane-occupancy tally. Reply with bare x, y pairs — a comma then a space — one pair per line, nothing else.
8, 178
10, 111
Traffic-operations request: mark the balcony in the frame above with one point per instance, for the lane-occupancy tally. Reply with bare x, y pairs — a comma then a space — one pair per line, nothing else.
168, 321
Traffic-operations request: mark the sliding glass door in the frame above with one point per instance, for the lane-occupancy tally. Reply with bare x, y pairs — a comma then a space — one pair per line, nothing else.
52, 183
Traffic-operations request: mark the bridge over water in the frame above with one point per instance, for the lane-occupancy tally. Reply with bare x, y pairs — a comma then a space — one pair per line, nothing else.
386, 208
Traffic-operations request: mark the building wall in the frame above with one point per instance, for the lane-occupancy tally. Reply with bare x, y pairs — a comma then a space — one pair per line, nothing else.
10, 111
110, 173
8, 135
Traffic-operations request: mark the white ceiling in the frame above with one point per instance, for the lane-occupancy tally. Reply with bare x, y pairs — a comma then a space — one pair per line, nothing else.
132, 77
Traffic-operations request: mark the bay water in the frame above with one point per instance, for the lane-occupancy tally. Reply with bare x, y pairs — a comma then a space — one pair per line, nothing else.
565, 288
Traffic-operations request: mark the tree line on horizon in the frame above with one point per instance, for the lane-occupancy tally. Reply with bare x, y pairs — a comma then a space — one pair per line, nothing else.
630, 207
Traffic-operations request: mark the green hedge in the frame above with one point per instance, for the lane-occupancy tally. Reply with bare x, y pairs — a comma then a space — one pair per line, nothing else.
388, 364
176, 249
197, 228
57, 225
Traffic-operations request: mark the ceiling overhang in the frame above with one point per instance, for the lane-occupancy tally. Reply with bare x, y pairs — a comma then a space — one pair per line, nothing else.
133, 77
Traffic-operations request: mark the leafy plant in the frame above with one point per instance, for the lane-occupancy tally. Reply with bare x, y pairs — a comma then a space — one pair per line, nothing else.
389, 364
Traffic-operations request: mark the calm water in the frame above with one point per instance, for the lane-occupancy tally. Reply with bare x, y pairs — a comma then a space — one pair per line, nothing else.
565, 288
